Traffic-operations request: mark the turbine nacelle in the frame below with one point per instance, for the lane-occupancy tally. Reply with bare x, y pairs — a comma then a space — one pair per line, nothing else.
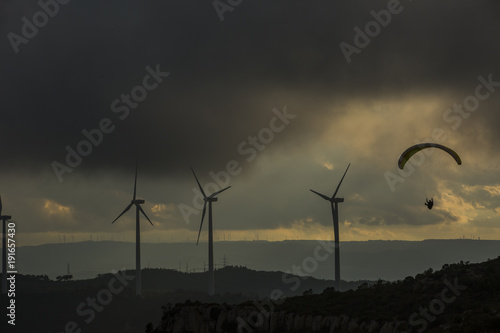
208, 200
333, 199
3, 217
136, 202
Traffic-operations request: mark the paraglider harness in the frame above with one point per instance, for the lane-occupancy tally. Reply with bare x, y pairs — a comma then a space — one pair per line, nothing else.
429, 203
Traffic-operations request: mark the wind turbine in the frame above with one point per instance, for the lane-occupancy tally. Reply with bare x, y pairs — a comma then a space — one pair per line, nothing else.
209, 200
335, 214
138, 208
4, 219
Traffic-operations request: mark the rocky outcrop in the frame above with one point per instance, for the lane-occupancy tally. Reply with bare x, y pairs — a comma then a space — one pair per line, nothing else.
461, 297
246, 319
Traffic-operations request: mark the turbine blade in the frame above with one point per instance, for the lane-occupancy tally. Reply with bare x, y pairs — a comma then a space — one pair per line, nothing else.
201, 224
199, 185
321, 195
126, 210
135, 182
334, 194
143, 213
214, 194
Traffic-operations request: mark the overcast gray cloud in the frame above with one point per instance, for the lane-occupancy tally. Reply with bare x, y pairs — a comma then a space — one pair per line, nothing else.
224, 80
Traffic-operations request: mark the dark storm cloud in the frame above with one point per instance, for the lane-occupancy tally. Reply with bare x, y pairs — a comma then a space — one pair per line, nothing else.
225, 77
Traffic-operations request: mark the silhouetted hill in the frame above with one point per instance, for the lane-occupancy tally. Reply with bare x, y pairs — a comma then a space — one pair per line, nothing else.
107, 303
230, 279
460, 297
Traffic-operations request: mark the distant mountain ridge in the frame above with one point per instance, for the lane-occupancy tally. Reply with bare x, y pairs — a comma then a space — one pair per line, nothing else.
360, 260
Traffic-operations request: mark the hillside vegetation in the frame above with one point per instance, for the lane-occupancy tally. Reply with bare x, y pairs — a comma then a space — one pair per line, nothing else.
460, 297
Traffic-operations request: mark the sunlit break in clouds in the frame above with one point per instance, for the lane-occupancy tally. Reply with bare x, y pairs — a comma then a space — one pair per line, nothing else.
271, 109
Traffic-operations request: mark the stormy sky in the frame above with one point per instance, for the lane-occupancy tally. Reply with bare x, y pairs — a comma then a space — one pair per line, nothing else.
270, 97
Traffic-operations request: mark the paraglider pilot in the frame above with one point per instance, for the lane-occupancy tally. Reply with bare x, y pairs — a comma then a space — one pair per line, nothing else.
429, 203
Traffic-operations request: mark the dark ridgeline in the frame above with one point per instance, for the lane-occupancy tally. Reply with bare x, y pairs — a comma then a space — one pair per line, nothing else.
460, 297
386, 303
125, 312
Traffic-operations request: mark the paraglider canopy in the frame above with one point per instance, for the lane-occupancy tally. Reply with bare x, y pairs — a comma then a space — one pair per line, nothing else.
408, 153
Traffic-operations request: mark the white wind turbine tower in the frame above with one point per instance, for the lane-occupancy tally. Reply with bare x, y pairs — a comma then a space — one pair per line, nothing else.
335, 214
137, 203
209, 200
4, 219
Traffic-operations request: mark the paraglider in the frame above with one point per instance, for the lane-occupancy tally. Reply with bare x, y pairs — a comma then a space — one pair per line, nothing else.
408, 153
429, 203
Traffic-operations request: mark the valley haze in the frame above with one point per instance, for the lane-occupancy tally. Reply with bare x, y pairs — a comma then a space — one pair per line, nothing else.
363, 260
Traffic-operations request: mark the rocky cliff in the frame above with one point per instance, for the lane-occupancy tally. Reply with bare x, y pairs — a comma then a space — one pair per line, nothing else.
461, 297
245, 319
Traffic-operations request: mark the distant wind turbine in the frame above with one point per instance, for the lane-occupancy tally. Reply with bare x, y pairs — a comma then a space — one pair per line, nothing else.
4, 219
335, 214
209, 200
137, 203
